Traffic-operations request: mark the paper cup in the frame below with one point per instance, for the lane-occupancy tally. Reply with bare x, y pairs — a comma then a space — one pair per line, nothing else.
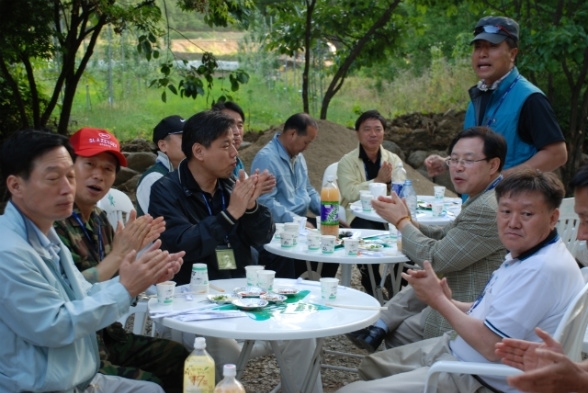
366, 201
301, 221
265, 279
378, 189
199, 279
351, 246
293, 228
328, 244
165, 292
251, 274
329, 288
439, 192
313, 240
437, 209
287, 239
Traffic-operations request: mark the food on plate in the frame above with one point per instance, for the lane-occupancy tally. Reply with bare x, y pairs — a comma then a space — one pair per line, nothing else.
249, 291
220, 299
286, 291
250, 304
273, 297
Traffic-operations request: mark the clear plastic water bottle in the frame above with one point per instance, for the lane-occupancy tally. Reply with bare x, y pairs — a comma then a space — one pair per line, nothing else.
397, 180
229, 383
410, 196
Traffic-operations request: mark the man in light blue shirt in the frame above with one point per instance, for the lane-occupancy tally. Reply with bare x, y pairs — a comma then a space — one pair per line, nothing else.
293, 194
49, 313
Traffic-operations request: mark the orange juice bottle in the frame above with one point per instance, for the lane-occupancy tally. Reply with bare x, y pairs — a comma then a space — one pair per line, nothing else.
330, 208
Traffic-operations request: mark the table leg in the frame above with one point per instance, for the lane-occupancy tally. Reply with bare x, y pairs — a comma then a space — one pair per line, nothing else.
377, 289
244, 356
314, 367
286, 382
346, 274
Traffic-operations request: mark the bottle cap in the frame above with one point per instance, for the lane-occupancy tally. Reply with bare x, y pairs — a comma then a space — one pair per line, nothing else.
199, 343
229, 370
331, 178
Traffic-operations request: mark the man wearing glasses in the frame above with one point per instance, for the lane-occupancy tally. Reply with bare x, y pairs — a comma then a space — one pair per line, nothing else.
508, 103
465, 252
167, 136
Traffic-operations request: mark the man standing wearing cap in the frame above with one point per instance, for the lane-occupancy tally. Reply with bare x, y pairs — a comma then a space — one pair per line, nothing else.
167, 135
508, 103
98, 254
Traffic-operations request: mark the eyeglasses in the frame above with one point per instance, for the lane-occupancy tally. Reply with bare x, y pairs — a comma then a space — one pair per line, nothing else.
492, 30
462, 161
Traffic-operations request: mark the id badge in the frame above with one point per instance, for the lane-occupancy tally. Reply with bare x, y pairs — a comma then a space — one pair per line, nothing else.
225, 258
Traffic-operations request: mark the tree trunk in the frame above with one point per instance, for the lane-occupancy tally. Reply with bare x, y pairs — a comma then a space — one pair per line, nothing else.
307, 46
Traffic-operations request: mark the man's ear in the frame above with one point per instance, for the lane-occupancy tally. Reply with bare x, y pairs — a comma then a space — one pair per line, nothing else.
198, 151
161, 145
14, 185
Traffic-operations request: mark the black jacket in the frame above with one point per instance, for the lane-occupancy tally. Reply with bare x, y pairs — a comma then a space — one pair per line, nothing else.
190, 226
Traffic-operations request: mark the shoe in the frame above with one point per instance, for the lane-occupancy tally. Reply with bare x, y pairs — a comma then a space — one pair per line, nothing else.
368, 338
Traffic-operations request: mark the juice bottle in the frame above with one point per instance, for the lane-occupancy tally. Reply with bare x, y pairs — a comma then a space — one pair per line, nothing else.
330, 208
199, 369
229, 384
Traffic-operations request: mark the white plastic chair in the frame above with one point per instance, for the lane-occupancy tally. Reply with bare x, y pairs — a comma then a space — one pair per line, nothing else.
570, 333
117, 206
567, 225
332, 171
141, 312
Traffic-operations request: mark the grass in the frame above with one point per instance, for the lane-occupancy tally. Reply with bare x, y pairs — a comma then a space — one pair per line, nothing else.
269, 101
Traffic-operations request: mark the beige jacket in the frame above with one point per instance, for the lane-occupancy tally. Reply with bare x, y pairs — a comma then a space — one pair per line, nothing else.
351, 176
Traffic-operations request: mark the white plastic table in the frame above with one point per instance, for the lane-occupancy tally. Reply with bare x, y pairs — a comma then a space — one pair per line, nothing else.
286, 325
451, 210
389, 257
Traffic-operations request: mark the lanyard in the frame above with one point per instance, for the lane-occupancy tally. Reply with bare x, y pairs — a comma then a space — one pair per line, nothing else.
100, 243
492, 119
210, 208
494, 183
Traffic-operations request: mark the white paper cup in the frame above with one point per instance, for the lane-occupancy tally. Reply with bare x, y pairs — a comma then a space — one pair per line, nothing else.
199, 279
287, 239
279, 230
328, 244
293, 228
439, 192
251, 274
165, 292
366, 201
301, 221
378, 189
265, 279
351, 246
313, 240
437, 209
329, 288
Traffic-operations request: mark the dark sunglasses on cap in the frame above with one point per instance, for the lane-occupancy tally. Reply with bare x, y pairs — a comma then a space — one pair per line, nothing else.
492, 30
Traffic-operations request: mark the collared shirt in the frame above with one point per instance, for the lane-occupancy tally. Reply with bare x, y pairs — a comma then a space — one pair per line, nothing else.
371, 168
293, 194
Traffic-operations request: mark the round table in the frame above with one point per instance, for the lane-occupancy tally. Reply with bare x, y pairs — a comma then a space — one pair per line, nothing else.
450, 211
389, 257
350, 311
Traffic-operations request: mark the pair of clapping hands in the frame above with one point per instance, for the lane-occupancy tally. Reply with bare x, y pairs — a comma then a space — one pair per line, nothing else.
247, 190
153, 265
546, 368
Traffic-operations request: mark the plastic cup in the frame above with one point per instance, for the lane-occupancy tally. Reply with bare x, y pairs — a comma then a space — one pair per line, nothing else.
287, 239
199, 279
301, 221
439, 192
165, 292
251, 274
437, 209
377, 189
265, 279
351, 246
328, 244
366, 201
329, 288
313, 240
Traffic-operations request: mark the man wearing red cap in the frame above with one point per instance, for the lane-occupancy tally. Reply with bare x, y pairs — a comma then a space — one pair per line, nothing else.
98, 253
508, 103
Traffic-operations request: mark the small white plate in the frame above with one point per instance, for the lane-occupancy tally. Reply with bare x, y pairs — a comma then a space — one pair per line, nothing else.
286, 291
273, 297
249, 304
249, 291
371, 247
222, 298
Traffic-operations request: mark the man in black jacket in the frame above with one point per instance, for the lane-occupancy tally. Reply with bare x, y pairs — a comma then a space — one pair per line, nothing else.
209, 213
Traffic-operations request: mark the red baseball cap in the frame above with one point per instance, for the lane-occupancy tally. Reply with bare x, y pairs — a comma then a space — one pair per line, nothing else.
88, 142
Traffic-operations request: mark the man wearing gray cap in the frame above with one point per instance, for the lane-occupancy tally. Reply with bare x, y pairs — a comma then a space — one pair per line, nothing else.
508, 103
167, 136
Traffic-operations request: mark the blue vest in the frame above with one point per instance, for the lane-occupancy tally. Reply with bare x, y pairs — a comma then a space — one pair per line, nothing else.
502, 115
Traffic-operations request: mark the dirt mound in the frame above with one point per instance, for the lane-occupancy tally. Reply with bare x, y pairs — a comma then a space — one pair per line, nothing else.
333, 141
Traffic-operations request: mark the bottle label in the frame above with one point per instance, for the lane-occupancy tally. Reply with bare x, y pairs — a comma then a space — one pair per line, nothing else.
330, 213
198, 378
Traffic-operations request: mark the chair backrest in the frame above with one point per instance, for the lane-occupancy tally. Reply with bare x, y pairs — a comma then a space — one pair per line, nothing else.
330, 171
572, 327
117, 206
567, 225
